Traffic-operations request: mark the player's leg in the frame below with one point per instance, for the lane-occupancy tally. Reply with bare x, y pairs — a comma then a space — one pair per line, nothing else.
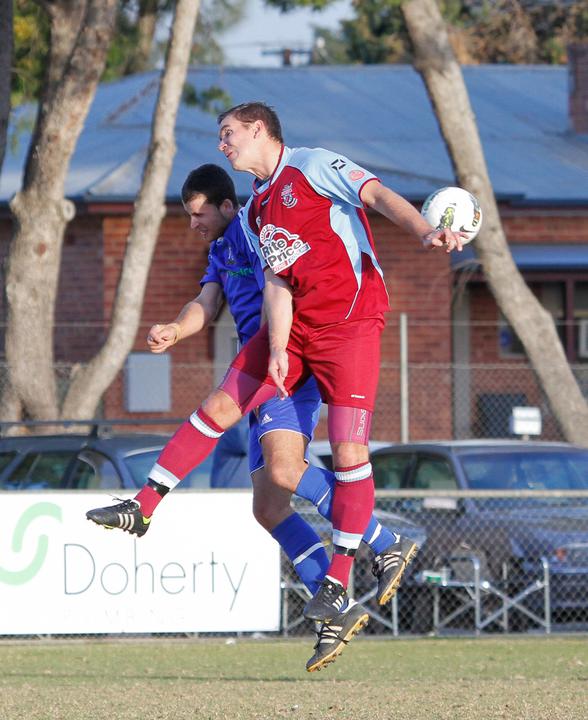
337, 627
245, 386
391, 552
298, 540
345, 361
283, 456
300, 414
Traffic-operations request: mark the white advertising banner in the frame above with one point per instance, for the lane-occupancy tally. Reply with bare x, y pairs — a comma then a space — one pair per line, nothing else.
204, 566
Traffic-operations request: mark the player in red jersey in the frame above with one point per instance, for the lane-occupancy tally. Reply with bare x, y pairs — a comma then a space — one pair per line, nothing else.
325, 298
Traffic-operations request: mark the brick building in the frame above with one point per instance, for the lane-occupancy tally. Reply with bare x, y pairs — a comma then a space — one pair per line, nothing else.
380, 116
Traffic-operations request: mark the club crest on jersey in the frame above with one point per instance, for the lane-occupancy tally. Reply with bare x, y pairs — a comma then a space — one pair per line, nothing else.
287, 194
279, 248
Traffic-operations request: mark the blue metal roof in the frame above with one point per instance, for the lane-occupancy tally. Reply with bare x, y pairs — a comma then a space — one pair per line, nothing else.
534, 257
379, 115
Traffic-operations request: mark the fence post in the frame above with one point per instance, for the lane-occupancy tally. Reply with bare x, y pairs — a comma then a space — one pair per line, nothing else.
404, 417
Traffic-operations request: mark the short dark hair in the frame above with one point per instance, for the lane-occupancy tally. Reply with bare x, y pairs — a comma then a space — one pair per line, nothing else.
211, 181
250, 112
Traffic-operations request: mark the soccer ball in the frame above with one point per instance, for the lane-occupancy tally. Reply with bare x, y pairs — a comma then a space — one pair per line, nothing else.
455, 208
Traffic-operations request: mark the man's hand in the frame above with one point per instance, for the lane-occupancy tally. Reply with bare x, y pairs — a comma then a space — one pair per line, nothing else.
278, 370
162, 337
447, 238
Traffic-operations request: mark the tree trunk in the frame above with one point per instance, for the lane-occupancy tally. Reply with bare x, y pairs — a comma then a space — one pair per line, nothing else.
5, 71
146, 24
435, 61
91, 382
80, 36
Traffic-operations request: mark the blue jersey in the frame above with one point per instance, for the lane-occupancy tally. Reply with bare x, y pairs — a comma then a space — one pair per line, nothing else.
234, 265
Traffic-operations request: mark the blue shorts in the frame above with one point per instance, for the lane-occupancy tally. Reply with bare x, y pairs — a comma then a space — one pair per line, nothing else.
298, 413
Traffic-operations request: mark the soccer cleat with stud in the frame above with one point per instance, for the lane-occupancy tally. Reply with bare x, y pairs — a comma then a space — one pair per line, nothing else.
389, 566
126, 515
332, 637
327, 603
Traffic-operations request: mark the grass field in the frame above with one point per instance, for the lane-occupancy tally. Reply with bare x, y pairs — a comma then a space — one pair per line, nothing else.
516, 678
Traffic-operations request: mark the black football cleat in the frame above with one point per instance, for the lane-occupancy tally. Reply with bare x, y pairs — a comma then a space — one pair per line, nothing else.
126, 515
389, 567
332, 637
327, 602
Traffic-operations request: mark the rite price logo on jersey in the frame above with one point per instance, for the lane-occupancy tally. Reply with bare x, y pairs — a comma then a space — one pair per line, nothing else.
279, 248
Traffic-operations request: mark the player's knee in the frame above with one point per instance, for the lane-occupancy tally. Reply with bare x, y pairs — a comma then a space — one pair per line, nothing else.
222, 409
268, 512
346, 454
286, 475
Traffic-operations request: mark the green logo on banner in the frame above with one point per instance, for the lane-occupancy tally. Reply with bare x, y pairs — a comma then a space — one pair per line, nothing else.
20, 577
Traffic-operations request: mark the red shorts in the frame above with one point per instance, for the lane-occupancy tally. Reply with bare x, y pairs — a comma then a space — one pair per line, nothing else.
344, 359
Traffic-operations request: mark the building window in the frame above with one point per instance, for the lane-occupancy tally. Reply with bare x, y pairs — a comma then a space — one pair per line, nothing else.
552, 296
581, 320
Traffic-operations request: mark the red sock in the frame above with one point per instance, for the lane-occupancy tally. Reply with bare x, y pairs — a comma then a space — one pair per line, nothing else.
148, 498
184, 451
353, 505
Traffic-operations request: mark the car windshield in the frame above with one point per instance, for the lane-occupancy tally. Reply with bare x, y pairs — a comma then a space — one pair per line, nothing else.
141, 463
549, 470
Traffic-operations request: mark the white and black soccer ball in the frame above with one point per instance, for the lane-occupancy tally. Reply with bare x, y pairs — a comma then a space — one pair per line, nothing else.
456, 208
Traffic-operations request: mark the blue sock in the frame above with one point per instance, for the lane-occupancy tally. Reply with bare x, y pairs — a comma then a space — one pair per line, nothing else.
316, 486
304, 548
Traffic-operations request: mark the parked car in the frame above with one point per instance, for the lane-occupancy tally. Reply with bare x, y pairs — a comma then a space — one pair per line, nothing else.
90, 462
320, 451
97, 461
508, 535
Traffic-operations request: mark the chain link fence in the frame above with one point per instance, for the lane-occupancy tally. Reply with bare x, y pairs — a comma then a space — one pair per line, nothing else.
447, 401
491, 562
488, 562
420, 400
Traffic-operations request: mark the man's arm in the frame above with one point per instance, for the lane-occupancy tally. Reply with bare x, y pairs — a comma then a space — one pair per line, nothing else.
394, 207
193, 317
277, 304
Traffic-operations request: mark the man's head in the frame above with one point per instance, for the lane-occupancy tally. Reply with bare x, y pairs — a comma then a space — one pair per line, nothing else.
248, 133
209, 198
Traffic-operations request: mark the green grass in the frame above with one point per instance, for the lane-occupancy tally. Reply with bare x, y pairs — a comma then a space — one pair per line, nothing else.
538, 678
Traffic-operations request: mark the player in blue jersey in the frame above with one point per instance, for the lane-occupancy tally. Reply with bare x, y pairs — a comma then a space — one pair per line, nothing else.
282, 428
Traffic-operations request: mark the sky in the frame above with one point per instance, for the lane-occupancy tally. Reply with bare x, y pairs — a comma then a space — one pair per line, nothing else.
266, 29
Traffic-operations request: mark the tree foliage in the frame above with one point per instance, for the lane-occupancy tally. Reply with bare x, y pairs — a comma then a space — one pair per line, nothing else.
6, 23
31, 44
214, 18
138, 43
480, 31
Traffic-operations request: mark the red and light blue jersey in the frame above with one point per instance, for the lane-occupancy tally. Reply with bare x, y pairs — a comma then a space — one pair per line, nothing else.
310, 228
234, 265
